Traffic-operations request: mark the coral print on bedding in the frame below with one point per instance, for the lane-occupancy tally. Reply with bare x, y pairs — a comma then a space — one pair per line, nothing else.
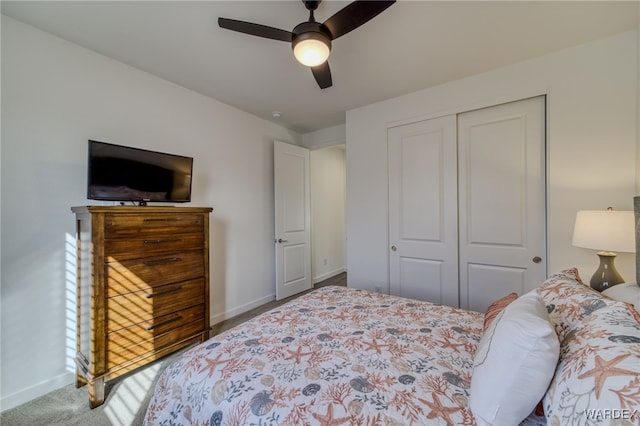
597, 380
334, 356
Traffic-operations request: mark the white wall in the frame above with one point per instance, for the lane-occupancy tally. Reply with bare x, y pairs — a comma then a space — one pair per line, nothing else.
331, 136
328, 215
56, 96
638, 121
328, 204
591, 123
637, 276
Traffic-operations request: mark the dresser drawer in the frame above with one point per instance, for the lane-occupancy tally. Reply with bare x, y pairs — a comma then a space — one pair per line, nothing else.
134, 225
129, 309
145, 273
132, 248
133, 342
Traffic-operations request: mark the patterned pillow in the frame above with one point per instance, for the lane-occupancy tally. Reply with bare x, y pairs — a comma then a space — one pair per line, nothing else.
598, 376
569, 301
496, 307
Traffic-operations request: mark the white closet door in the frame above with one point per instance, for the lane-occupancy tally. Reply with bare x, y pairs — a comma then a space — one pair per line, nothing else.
501, 162
423, 238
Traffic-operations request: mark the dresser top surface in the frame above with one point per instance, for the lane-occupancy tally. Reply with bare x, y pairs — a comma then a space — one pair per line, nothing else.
140, 209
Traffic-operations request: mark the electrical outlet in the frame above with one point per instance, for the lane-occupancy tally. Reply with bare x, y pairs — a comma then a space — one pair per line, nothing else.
325, 262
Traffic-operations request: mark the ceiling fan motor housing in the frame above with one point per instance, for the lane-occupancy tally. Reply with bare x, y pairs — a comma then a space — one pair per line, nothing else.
311, 31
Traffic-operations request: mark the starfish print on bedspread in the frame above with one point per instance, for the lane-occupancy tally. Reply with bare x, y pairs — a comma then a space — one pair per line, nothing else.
342, 315
605, 369
211, 364
327, 419
439, 410
446, 343
374, 345
298, 354
281, 320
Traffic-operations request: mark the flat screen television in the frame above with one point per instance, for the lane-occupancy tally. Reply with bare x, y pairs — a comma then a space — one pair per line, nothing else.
122, 173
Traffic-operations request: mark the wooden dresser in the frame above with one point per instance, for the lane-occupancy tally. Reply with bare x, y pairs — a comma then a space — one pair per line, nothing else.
143, 287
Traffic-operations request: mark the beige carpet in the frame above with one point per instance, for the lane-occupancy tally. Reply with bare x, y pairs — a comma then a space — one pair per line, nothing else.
125, 404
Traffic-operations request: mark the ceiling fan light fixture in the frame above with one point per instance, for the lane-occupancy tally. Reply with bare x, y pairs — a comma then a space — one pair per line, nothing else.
311, 49
311, 40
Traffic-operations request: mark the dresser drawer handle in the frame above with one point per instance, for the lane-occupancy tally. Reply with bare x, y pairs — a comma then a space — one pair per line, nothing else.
162, 261
165, 240
176, 318
169, 290
162, 219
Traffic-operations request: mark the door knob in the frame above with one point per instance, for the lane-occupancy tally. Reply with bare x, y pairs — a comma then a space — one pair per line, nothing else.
280, 240
394, 248
537, 259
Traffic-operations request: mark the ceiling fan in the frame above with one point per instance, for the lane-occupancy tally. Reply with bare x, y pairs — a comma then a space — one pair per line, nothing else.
311, 40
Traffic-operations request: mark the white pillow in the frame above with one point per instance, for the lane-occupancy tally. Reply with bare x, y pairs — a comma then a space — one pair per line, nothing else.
626, 292
514, 363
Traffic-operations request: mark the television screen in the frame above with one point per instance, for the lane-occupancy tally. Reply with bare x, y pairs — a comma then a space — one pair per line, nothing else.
121, 173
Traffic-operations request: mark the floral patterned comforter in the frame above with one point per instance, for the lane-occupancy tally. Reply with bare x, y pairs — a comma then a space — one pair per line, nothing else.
331, 357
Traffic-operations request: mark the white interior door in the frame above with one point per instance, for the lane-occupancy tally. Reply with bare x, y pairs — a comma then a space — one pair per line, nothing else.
423, 220
501, 154
292, 219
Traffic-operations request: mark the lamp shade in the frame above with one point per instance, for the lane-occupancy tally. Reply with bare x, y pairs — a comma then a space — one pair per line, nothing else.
605, 230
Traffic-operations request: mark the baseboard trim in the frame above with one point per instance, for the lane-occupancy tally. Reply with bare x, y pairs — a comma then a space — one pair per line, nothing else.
328, 275
35, 391
215, 319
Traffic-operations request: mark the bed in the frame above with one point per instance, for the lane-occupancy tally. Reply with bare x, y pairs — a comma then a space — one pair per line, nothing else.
329, 356
346, 356
561, 354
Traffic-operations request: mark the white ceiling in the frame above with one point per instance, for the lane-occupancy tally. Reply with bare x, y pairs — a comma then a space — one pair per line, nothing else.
411, 46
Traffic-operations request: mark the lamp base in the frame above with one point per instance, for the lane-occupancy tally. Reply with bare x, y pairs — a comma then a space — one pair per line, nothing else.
606, 275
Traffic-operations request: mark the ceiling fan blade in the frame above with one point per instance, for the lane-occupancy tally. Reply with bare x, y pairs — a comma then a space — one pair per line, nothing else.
353, 15
322, 74
255, 29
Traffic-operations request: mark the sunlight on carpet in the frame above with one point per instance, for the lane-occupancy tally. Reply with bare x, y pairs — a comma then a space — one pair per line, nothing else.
129, 396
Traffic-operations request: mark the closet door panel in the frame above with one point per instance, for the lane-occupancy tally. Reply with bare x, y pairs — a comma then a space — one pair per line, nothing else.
413, 272
423, 238
495, 183
501, 164
485, 281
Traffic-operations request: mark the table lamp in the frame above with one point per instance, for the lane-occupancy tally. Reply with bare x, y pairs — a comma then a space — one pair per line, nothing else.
609, 232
